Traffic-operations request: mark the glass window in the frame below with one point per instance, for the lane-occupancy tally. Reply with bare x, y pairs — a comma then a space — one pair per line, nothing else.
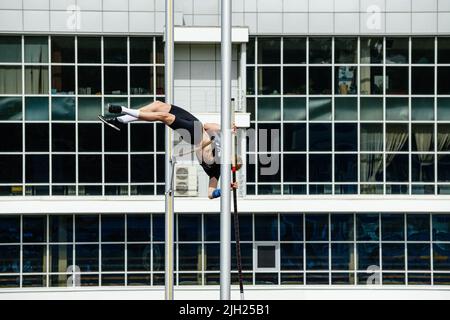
36, 49
443, 109
89, 80
441, 227
63, 109
36, 80
393, 256
90, 168
13, 132
138, 228
269, 137
368, 255
250, 81
11, 108
342, 227
342, 255
367, 227
36, 109
269, 80
116, 168
61, 228
319, 137
423, 50
89, 137
10, 49
36, 169
159, 50
422, 168
266, 257
422, 80
397, 167
418, 226
266, 227
393, 227
11, 80
141, 80
291, 256
141, 50
443, 83
63, 80
320, 50
113, 228
419, 256
294, 80
397, 50
320, 109
397, 79
443, 168
320, 168
11, 169
138, 131
294, 109
317, 257
269, 50
346, 80
251, 51
320, 79
371, 109
245, 228
87, 228
60, 259
423, 137
346, 137
422, 109
346, 50
12, 264
371, 80
189, 257
291, 227
36, 137
142, 168
34, 229
9, 231
89, 108
115, 141
138, 257
63, 169
443, 50
63, 49
115, 50
397, 136
441, 257
89, 50
443, 137
295, 167
34, 259
316, 227
371, 50
294, 50
294, 137
63, 137
346, 167
397, 109
86, 257
115, 80
345, 109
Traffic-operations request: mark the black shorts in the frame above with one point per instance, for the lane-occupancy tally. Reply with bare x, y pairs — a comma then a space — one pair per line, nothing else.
184, 120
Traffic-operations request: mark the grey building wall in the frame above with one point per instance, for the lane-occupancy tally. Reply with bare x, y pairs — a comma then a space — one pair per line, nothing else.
261, 16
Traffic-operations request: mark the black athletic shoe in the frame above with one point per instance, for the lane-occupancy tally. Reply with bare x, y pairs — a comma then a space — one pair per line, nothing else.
113, 123
114, 109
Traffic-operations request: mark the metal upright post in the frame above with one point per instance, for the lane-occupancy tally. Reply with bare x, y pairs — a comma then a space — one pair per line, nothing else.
169, 190
225, 167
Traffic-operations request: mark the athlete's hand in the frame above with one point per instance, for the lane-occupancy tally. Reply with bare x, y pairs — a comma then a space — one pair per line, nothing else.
234, 128
234, 185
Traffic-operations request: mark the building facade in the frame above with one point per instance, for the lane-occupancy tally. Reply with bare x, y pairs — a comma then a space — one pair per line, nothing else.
343, 109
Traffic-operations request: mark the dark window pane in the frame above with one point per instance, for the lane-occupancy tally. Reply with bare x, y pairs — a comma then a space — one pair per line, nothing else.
63, 169
443, 134
342, 226
398, 133
89, 49
113, 228
422, 167
36, 137
10, 49
371, 109
397, 167
34, 229
63, 80
115, 80
63, 49
266, 257
294, 109
9, 230
89, 108
89, 137
10, 262
291, 227
320, 168
419, 256
397, 50
269, 80
392, 227
418, 227
294, 80
13, 132
444, 168
36, 49
159, 50
346, 80
266, 227
397, 109
34, 259
61, 259
189, 227
90, 168
138, 228
245, 228
86, 228
142, 167
443, 50
371, 137
320, 50
346, 168
393, 256
189, 257
423, 50
371, 50
291, 256
320, 79
10, 108
320, 109
367, 227
116, 168
346, 137
138, 131
269, 50
61, 228
317, 256
319, 137
397, 80
294, 50
269, 109
422, 80
63, 137
251, 51
158, 227
443, 83
269, 137
346, 50
36, 109
115, 141
441, 227
141, 80
295, 167
422, 109
63, 109
342, 256
86, 257
37, 169
441, 257
368, 255
141, 50
36, 80
371, 80
316, 227
250, 80
138, 257
246, 256
115, 50
212, 227
294, 137
89, 80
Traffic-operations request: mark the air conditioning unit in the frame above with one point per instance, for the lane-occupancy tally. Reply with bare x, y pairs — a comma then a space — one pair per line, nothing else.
186, 181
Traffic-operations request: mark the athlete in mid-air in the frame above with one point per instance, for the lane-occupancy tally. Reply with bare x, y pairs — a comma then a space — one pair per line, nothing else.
204, 137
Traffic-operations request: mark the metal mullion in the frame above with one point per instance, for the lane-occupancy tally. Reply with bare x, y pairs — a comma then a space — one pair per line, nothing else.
126, 249
203, 248
384, 122
405, 239
50, 117
129, 126
23, 117
76, 118
358, 116
436, 156
431, 249
47, 266
102, 48
380, 249
278, 249
304, 247
21, 253
155, 171
307, 126
100, 264
282, 119
256, 122
333, 97
355, 251
410, 120
74, 269
329, 249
